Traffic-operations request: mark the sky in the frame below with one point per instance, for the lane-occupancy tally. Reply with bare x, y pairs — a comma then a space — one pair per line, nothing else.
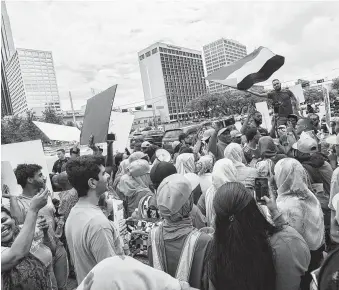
95, 43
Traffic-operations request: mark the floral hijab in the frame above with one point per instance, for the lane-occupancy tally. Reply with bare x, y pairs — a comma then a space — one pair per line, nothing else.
204, 165
185, 163
297, 203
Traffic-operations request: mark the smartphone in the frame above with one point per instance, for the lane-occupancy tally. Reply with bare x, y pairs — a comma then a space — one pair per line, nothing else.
111, 137
261, 189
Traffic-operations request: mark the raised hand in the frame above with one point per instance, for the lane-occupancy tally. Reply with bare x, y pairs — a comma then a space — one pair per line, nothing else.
39, 200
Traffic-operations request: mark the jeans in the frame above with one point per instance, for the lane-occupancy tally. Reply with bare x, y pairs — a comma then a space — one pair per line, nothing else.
60, 266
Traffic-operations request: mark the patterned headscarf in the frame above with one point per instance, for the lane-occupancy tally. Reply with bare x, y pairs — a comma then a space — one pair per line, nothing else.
204, 165
234, 153
297, 203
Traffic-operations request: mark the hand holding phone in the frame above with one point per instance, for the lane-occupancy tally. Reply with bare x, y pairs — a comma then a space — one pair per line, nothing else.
261, 189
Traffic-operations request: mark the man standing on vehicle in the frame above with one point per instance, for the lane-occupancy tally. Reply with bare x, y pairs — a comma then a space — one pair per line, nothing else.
284, 102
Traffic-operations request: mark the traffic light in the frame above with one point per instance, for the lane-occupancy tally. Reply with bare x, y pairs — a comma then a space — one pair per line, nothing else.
320, 81
149, 106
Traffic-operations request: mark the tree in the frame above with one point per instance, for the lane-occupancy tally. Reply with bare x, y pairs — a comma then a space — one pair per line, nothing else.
335, 84
51, 116
313, 95
19, 129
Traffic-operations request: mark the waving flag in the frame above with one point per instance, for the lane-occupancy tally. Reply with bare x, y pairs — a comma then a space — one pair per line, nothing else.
253, 68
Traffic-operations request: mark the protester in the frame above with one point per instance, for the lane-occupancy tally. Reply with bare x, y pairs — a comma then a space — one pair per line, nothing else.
32, 181
185, 163
292, 119
334, 211
20, 268
176, 247
219, 140
201, 146
62, 159
160, 171
195, 184
134, 185
301, 208
223, 171
304, 125
203, 168
129, 274
268, 157
246, 175
248, 252
91, 237
176, 146
149, 149
251, 150
236, 136
255, 123
284, 102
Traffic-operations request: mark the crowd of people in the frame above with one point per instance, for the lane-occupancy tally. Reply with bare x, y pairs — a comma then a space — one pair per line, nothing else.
207, 226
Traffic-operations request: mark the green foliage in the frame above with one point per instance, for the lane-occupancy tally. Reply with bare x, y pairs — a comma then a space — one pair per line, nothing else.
335, 84
313, 95
228, 103
19, 129
51, 116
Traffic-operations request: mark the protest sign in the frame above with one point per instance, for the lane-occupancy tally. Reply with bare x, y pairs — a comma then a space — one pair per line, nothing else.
298, 93
59, 132
120, 124
30, 152
97, 116
118, 211
266, 120
326, 94
8, 179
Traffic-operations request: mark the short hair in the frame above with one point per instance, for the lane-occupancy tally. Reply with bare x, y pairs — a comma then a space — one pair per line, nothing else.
25, 171
81, 169
275, 80
61, 150
250, 133
74, 151
182, 136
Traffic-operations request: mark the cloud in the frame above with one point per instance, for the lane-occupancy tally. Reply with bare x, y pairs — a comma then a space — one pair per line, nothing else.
95, 43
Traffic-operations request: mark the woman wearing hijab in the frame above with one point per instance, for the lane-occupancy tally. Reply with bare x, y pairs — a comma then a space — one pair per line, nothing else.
185, 163
135, 184
224, 171
246, 175
203, 169
248, 252
300, 207
129, 274
269, 157
176, 247
334, 222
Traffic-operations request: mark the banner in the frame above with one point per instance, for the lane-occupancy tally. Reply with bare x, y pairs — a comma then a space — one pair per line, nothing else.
8, 179
263, 109
326, 94
120, 124
59, 132
97, 116
298, 93
30, 152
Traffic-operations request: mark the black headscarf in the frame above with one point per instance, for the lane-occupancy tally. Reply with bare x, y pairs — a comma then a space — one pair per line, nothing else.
160, 171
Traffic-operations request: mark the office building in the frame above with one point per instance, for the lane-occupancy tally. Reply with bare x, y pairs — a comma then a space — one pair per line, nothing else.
32, 81
221, 53
171, 77
7, 50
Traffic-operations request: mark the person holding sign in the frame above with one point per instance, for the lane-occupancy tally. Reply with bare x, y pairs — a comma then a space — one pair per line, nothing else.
284, 101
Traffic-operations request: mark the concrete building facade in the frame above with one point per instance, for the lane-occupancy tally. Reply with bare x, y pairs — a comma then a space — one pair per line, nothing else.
32, 81
220, 53
171, 77
7, 50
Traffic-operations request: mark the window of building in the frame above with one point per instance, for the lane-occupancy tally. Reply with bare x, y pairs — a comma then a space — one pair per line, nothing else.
155, 50
148, 54
141, 57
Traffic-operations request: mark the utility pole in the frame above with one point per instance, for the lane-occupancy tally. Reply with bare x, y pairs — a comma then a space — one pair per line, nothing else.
70, 98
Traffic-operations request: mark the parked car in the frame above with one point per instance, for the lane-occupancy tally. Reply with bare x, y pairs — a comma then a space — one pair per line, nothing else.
154, 137
172, 135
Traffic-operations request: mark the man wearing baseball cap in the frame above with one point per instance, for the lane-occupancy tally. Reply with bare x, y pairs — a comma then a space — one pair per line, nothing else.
149, 149
236, 136
176, 247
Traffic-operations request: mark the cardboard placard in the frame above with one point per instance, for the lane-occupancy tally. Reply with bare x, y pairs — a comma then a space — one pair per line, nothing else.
266, 119
8, 179
298, 93
59, 132
97, 116
30, 152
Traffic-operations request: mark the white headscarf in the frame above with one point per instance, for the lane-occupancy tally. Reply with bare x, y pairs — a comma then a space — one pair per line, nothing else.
223, 171
298, 204
185, 163
234, 153
126, 273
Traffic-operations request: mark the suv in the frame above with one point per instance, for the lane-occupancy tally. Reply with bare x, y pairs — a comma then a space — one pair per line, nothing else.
172, 135
154, 137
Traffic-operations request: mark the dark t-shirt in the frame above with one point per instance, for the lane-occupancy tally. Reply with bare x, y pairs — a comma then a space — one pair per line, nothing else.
282, 97
58, 165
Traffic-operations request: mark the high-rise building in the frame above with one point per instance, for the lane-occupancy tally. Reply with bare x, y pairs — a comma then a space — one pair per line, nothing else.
171, 77
7, 50
220, 53
32, 81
